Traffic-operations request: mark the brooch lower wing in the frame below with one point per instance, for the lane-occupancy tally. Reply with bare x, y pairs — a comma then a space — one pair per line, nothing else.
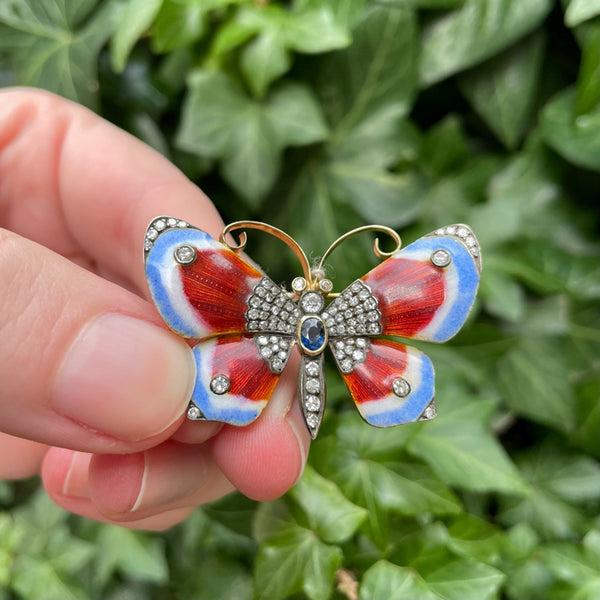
424, 292
204, 291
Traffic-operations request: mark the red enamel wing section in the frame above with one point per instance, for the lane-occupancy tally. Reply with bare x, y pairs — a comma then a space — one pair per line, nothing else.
250, 380
409, 292
250, 375
371, 380
393, 385
217, 286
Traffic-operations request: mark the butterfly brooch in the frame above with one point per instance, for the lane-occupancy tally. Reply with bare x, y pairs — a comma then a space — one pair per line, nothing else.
247, 326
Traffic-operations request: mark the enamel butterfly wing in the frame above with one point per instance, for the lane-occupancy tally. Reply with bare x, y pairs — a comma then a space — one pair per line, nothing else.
246, 326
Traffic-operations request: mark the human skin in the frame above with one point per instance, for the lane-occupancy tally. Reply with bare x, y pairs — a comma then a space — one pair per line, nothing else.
94, 385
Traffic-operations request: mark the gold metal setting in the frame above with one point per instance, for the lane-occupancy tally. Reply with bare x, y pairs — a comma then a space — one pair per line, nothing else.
316, 275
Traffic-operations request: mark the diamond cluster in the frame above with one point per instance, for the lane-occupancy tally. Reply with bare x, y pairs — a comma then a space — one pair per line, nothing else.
158, 226
349, 352
313, 392
270, 309
274, 350
464, 234
354, 312
429, 413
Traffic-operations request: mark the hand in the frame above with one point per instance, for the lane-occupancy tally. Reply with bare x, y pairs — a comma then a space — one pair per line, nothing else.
94, 386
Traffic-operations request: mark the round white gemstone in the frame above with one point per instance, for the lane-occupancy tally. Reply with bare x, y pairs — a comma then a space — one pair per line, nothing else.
148, 245
400, 387
185, 255
312, 403
325, 285
358, 355
374, 328
266, 352
171, 222
356, 287
346, 365
159, 225
430, 412
451, 230
370, 303
299, 284
312, 302
312, 369
361, 342
462, 232
313, 386
277, 365
220, 384
441, 258
439, 231
181, 224
474, 251
194, 413
312, 420
470, 241
263, 340
151, 234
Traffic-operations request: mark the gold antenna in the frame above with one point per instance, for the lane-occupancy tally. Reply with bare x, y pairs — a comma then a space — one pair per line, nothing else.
376, 248
274, 231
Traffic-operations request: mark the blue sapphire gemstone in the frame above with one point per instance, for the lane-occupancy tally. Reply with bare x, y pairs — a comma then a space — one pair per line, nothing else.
312, 334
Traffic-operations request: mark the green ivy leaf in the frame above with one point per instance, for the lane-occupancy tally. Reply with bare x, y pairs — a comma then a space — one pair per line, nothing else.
329, 513
585, 435
503, 90
134, 20
519, 195
295, 115
462, 451
577, 139
444, 147
503, 296
294, 561
279, 31
54, 45
389, 581
134, 554
367, 77
534, 380
479, 29
221, 121
454, 578
367, 466
578, 566
178, 23
558, 482
588, 85
470, 536
579, 11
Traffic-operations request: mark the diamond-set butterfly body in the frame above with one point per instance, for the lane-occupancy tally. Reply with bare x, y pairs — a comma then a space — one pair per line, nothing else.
246, 326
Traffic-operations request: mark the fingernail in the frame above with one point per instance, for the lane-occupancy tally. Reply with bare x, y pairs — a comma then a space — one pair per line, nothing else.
124, 377
163, 483
75, 483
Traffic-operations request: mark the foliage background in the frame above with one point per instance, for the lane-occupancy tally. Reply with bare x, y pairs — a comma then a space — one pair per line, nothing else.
319, 116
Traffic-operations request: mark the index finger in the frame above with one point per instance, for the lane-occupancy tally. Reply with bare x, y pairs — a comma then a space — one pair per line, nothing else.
78, 184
